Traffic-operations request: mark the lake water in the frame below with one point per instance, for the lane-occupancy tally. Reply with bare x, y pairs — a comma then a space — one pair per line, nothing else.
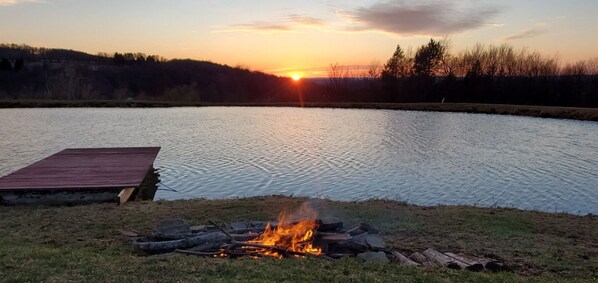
425, 158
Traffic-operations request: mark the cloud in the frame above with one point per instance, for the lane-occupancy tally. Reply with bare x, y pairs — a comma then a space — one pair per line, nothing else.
421, 18
16, 2
260, 26
305, 20
528, 33
290, 24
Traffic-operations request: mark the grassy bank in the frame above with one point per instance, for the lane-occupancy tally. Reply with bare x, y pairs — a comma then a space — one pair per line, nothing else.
82, 243
590, 114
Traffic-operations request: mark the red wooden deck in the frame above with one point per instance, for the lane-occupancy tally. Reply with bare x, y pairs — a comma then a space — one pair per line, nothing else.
84, 168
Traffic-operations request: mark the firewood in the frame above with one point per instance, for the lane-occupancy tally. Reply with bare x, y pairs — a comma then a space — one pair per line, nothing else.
172, 229
239, 225
188, 252
206, 247
404, 260
235, 243
333, 237
470, 264
168, 246
491, 264
329, 227
441, 259
423, 260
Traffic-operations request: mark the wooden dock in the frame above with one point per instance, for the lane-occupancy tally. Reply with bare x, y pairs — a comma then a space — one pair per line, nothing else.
80, 175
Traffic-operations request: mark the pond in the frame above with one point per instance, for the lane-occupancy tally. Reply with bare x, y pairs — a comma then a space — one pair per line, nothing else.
424, 158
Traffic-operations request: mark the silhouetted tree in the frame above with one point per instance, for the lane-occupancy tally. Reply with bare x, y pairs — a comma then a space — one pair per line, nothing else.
428, 59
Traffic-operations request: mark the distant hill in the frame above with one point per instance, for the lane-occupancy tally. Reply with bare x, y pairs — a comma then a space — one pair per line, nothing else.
41, 73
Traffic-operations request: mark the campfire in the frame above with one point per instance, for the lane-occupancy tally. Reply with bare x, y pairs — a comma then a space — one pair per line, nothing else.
299, 234
295, 238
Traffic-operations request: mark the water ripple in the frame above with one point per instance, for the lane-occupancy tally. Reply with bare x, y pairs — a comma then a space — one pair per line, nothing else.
420, 157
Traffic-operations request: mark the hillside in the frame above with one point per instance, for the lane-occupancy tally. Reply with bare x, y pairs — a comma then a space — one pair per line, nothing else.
40, 73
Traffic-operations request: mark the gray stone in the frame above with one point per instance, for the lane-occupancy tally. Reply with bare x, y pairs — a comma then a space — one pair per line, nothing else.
373, 257
375, 242
369, 228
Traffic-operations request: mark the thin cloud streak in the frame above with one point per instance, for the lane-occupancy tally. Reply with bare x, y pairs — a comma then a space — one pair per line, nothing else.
528, 33
417, 18
290, 24
258, 26
306, 20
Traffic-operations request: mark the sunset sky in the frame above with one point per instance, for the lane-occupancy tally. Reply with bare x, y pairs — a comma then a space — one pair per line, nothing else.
305, 37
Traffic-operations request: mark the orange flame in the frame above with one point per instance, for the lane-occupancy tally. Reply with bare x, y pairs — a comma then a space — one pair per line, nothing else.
288, 235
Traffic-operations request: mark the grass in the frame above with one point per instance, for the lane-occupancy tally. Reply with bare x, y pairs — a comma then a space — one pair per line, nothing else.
82, 243
590, 114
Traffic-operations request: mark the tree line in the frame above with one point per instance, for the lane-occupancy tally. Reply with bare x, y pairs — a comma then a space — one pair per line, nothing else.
482, 74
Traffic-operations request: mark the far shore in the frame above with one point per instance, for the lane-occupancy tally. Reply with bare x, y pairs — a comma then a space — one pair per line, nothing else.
576, 113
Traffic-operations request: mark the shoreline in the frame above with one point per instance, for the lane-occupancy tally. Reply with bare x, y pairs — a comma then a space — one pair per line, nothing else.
37, 244
558, 112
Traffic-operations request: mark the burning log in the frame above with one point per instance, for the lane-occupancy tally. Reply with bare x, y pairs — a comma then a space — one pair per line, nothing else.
304, 238
273, 249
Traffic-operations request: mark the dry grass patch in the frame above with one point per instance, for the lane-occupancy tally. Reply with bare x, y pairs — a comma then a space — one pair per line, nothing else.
83, 243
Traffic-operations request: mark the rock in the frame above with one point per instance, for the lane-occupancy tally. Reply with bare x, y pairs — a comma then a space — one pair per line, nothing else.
368, 228
373, 257
356, 231
356, 244
375, 242
172, 229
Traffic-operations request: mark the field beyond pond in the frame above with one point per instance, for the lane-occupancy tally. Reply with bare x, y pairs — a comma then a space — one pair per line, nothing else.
576, 113
83, 243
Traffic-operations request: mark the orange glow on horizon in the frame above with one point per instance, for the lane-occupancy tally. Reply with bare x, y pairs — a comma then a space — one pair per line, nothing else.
296, 77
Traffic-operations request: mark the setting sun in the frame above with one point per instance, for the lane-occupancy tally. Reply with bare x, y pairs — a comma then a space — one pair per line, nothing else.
296, 77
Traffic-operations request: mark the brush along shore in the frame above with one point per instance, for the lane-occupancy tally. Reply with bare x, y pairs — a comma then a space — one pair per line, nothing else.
576, 113
85, 243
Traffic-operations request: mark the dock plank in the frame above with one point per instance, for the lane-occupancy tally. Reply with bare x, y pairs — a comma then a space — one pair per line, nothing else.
84, 168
